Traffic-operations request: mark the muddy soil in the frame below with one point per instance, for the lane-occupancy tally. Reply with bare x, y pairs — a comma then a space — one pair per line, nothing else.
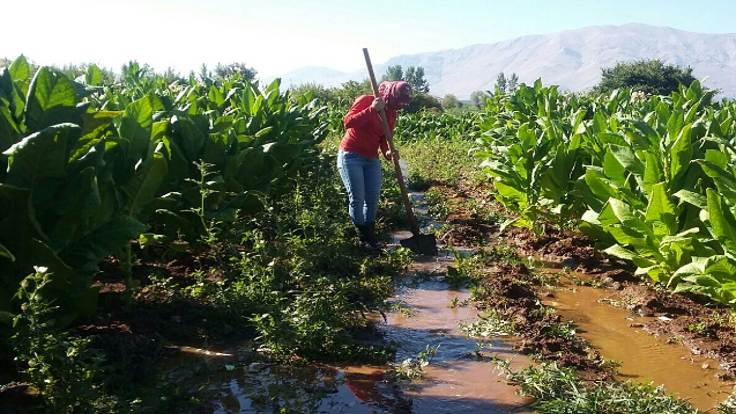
513, 292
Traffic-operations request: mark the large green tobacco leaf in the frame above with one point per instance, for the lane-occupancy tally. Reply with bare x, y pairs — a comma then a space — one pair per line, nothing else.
282, 153
16, 229
512, 196
21, 235
144, 186
189, 135
41, 155
661, 212
648, 132
599, 184
724, 180
652, 172
247, 170
52, 99
68, 216
93, 76
20, 71
711, 276
680, 248
681, 153
8, 130
623, 253
620, 160
624, 214
722, 221
110, 238
14, 97
696, 199
96, 127
135, 126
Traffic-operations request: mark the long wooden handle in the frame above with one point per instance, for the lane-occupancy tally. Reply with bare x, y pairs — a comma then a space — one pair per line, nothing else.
390, 139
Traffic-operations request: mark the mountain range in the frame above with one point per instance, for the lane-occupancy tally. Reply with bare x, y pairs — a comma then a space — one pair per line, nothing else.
572, 59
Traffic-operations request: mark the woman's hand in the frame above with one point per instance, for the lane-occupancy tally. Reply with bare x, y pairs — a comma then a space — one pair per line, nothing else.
378, 104
390, 155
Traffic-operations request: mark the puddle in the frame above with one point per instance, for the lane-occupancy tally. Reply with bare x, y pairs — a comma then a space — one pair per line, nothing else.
456, 380
261, 388
234, 383
643, 357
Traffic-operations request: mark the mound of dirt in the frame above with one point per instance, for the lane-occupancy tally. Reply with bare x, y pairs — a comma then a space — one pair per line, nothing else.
512, 292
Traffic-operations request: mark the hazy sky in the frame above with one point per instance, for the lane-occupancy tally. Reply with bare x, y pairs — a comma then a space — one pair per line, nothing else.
280, 35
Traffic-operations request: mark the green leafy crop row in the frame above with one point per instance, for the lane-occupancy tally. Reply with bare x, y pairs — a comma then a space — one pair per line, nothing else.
651, 178
88, 167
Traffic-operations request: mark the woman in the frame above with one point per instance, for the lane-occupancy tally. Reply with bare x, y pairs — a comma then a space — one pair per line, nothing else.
357, 159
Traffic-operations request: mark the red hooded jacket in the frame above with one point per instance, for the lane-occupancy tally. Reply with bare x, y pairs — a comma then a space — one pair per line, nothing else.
364, 130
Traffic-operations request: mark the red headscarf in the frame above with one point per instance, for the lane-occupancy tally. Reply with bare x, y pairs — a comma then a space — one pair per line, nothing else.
396, 94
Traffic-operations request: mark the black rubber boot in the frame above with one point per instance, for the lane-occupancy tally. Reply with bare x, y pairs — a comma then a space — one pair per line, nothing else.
370, 235
362, 233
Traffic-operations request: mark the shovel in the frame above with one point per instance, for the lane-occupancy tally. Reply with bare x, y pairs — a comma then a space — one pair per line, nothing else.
419, 243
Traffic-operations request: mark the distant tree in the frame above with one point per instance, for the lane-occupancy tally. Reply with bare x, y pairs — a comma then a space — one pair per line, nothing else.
393, 73
450, 101
648, 76
315, 91
478, 98
192, 77
501, 83
350, 90
513, 83
204, 73
415, 77
171, 75
225, 71
345, 95
5, 62
423, 101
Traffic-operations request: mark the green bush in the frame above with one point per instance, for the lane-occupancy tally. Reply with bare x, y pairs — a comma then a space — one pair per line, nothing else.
647, 76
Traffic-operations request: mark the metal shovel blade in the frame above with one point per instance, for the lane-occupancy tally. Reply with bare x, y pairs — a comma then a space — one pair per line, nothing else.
421, 244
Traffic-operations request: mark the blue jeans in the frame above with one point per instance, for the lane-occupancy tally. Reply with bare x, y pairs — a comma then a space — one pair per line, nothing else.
362, 178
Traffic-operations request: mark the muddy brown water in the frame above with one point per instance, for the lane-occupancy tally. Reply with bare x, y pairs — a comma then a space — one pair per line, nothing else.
456, 380
643, 357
